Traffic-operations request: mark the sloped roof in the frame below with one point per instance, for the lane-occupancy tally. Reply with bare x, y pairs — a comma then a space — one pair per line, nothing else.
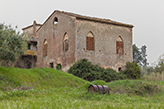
31, 26
78, 16
95, 19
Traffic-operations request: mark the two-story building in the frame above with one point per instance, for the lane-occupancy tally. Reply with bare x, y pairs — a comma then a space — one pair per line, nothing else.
64, 38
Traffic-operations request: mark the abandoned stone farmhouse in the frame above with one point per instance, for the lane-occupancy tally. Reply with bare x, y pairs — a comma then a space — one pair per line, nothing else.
64, 38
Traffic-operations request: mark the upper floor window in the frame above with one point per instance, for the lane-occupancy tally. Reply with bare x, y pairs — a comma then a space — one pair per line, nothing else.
90, 45
55, 20
119, 46
29, 46
45, 47
65, 43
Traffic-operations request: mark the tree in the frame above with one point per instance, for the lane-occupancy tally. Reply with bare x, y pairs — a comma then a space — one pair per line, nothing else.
12, 45
132, 70
160, 64
140, 56
137, 58
144, 55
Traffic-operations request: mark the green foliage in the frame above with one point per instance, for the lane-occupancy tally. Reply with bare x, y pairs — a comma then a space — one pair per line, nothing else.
135, 87
144, 55
69, 92
7, 55
16, 78
90, 72
160, 64
154, 77
140, 56
132, 70
12, 45
99, 82
147, 70
136, 55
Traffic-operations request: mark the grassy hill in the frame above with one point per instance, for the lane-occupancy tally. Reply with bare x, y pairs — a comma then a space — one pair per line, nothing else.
16, 78
51, 89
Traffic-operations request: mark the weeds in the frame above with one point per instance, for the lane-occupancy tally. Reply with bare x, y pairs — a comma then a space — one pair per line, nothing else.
154, 77
135, 87
49, 89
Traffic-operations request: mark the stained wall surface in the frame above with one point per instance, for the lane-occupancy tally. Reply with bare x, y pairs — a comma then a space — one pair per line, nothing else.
54, 33
105, 37
62, 29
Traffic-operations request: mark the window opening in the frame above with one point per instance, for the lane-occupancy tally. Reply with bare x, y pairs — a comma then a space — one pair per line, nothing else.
58, 66
52, 65
65, 43
45, 46
90, 41
55, 20
29, 46
35, 46
119, 46
119, 69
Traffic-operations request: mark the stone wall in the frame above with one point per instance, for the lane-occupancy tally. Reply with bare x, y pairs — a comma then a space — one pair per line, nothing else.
105, 36
60, 26
29, 31
54, 33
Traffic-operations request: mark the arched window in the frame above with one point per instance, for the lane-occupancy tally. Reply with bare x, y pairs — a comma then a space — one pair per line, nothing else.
55, 20
45, 47
119, 69
65, 43
90, 45
119, 46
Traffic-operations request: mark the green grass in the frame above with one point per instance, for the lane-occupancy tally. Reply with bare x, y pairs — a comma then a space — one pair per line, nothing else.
43, 88
15, 78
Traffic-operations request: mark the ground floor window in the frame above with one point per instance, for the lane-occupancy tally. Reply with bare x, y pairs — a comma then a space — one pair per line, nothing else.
52, 65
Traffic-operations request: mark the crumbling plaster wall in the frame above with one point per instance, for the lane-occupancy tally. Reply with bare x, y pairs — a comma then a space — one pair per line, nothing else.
29, 31
105, 44
54, 34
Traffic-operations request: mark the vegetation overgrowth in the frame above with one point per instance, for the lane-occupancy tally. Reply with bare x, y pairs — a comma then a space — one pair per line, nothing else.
17, 78
51, 88
12, 45
86, 70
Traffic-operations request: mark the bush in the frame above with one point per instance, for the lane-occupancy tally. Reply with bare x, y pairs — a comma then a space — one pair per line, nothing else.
90, 72
147, 70
132, 70
12, 45
85, 70
135, 87
154, 77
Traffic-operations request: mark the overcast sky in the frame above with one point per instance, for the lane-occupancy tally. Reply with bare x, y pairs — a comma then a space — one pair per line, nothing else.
147, 16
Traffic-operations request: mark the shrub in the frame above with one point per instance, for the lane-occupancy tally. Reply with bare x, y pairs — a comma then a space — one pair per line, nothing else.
90, 72
85, 70
154, 77
132, 70
135, 87
147, 70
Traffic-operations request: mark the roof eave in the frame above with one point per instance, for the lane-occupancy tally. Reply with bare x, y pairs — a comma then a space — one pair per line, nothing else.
107, 22
31, 26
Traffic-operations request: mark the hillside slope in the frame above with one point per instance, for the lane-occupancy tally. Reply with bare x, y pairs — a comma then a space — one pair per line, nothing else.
17, 78
49, 88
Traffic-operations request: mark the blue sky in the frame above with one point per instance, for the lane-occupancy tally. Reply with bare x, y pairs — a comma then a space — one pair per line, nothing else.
147, 16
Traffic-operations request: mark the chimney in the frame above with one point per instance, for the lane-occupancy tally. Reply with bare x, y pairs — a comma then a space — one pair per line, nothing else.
34, 29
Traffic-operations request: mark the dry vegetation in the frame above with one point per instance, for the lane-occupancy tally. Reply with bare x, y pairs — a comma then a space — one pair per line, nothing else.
154, 77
